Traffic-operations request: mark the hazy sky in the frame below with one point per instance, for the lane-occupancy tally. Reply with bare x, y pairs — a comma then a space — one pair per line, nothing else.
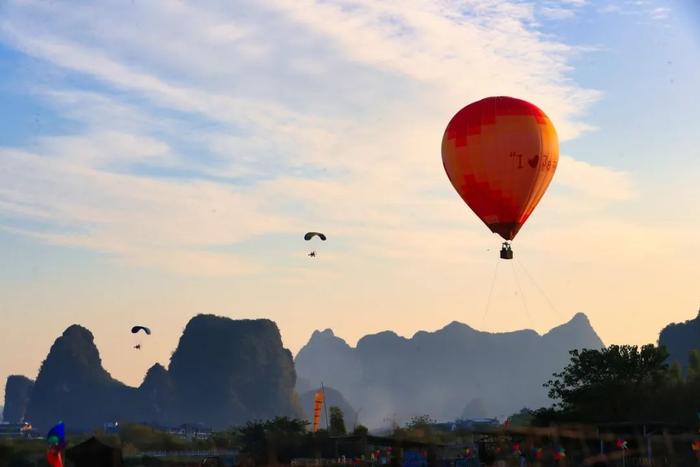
160, 159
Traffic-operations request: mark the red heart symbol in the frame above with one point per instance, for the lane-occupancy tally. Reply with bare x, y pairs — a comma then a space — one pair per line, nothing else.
533, 162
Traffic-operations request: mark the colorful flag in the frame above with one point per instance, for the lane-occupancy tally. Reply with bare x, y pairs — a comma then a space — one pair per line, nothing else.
318, 403
57, 435
539, 454
56, 438
621, 444
560, 454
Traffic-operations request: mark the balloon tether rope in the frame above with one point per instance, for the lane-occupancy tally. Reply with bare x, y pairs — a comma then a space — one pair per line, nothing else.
541, 290
522, 296
488, 300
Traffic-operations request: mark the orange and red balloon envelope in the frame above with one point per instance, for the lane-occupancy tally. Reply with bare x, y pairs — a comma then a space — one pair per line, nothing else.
500, 154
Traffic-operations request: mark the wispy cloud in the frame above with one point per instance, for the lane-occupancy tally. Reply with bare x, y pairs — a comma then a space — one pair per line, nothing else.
645, 9
210, 125
142, 220
560, 9
660, 13
596, 182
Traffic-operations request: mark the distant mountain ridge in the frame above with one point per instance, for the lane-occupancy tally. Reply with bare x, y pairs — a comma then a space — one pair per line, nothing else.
226, 372
223, 372
441, 373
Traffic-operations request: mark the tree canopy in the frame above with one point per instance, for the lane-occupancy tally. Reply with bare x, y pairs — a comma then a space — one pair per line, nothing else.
623, 383
337, 427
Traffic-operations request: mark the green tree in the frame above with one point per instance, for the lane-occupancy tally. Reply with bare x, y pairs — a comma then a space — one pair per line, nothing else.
615, 383
420, 422
273, 441
694, 365
522, 418
337, 427
360, 430
675, 374
419, 428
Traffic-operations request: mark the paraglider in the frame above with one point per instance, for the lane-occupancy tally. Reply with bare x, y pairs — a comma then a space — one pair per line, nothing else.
500, 154
135, 330
309, 235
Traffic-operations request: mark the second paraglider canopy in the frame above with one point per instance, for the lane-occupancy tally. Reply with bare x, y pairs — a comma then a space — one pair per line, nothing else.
309, 235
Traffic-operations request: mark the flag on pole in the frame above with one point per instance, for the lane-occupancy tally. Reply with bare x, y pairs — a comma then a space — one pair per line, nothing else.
560, 454
56, 438
318, 403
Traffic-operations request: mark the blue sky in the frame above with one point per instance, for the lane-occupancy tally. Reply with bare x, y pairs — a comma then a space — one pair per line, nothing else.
161, 159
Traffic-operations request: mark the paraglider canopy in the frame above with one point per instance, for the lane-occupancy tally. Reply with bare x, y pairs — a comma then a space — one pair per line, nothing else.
310, 235
136, 329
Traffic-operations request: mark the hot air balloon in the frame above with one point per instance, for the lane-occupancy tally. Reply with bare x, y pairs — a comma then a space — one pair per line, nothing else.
500, 154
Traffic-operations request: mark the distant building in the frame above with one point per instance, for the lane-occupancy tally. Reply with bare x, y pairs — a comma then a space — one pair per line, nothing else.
196, 431
110, 427
190, 431
475, 423
17, 430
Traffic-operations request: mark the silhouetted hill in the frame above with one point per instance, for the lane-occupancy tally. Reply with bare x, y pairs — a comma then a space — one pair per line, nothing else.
72, 386
442, 372
18, 390
333, 398
158, 397
223, 372
326, 354
227, 372
680, 339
